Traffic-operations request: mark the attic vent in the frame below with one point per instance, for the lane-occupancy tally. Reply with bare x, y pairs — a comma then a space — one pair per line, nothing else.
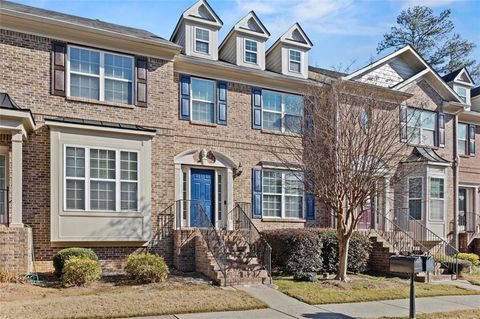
203, 13
296, 36
253, 25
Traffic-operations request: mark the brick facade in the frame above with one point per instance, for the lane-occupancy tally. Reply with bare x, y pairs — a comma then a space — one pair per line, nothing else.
15, 249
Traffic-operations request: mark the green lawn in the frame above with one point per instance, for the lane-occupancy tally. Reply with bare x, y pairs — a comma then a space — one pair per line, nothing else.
362, 288
464, 314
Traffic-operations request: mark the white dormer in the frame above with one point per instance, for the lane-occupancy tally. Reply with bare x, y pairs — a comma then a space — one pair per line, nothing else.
245, 43
197, 31
461, 82
289, 54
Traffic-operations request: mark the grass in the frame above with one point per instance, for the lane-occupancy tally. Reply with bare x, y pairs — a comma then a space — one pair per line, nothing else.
464, 314
106, 299
362, 288
473, 277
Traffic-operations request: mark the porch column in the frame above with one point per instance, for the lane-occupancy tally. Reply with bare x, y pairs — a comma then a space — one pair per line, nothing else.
229, 198
16, 192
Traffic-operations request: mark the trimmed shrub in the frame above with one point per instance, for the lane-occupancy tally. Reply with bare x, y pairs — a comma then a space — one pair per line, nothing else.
473, 258
78, 271
305, 276
146, 268
295, 251
63, 255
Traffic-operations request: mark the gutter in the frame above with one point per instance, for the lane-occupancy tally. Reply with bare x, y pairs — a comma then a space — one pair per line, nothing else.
456, 163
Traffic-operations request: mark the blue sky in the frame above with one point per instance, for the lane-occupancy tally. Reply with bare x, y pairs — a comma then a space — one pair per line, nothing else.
345, 33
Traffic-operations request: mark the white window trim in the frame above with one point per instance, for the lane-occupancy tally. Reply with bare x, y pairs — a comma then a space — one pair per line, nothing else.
204, 101
414, 126
87, 179
282, 112
4, 152
101, 76
245, 50
466, 96
200, 40
421, 198
283, 194
466, 140
290, 61
442, 199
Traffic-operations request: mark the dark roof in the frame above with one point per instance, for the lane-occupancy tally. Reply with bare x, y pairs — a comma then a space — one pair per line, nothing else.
92, 23
327, 72
422, 154
7, 102
475, 91
100, 123
451, 76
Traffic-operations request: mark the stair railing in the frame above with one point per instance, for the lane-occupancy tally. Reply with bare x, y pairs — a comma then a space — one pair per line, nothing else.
243, 225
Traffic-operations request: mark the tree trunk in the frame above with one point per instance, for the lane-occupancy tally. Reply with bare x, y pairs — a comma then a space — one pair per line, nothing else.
343, 245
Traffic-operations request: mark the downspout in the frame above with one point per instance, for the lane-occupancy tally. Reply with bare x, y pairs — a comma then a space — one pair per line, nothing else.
456, 162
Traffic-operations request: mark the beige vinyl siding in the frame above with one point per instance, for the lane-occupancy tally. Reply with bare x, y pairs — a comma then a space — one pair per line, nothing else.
274, 60
228, 52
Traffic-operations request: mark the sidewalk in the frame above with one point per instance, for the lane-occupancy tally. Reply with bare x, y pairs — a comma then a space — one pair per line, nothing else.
284, 307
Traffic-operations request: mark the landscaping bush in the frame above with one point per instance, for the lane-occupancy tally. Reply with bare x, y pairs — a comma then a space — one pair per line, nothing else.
146, 268
295, 251
305, 276
78, 271
473, 258
463, 265
7, 276
298, 251
63, 255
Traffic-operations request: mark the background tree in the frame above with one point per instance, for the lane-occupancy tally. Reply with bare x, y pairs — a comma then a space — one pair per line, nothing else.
350, 142
432, 36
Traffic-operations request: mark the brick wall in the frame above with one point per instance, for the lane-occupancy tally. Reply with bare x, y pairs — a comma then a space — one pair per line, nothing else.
15, 252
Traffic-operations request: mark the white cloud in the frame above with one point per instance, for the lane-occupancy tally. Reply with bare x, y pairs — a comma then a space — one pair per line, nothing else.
429, 3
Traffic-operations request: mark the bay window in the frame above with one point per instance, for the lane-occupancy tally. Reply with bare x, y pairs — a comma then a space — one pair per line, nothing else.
100, 75
462, 139
415, 197
437, 198
421, 127
283, 194
101, 179
203, 100
282, 112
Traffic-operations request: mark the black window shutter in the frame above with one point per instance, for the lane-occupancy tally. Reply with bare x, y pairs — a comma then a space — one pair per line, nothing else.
403, 123
256, 108
471, 140
141, 67
59, 53
257, 192
310, 206
184, 99
441, 130
222, 88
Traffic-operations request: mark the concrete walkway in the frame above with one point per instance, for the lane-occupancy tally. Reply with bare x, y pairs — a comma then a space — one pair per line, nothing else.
283, 307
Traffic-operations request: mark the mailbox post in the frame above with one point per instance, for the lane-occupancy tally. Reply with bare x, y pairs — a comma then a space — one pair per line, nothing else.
411, 265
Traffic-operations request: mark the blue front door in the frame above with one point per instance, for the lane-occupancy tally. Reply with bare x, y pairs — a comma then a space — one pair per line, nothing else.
202, 182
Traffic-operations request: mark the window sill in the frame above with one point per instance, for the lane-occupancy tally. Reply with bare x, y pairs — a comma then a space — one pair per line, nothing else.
94, 214
203, 123
106, 103
280, 133
283, 220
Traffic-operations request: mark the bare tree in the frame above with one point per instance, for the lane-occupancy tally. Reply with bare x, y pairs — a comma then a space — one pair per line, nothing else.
350, 142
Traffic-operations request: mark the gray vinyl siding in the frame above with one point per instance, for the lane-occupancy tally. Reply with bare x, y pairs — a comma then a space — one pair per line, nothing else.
274, 60
228, 52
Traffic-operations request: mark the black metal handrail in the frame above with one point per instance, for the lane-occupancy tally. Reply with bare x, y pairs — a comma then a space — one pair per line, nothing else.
4, 206
243, 225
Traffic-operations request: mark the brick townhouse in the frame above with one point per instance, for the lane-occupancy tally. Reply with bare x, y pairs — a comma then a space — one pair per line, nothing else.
116, 139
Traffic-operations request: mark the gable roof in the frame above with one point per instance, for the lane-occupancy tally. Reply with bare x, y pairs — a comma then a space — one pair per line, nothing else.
249, 24
294, 36
451, 76
327, 72
410, 50
425, 154
201, 12
456, 76
8, 6
475, 92
7, 102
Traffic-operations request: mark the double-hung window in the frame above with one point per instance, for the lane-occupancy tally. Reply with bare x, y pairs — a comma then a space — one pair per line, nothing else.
251, 51
98, 179
203, 100
421, 127
437, 198
282, 112
462, 139
462, 93
295, 61
202, 40
415, 197
283, 194
100, 75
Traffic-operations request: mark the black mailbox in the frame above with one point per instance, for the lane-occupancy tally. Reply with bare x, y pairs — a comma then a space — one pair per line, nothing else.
428, 263
406, 264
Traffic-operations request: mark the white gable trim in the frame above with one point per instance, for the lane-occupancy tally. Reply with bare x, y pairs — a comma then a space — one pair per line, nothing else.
459, 80
238, 27
403, 84
284, 39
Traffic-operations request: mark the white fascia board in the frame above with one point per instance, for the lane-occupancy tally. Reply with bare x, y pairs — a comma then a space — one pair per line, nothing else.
99, 128
403, 84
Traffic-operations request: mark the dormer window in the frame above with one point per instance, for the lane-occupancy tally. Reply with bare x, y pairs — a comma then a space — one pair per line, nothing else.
251, 51
295, 61
462, 93
202, 40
